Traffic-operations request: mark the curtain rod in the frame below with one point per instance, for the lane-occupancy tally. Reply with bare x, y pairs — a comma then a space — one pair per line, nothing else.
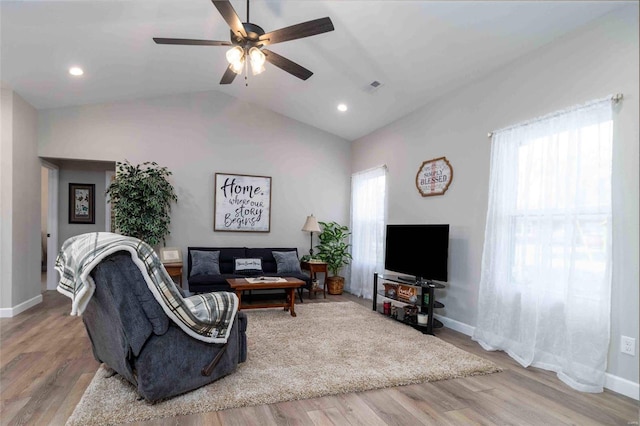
384, 166
615, 98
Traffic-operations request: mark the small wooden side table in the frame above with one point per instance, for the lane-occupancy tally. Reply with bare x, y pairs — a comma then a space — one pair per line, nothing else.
175, 271
314, 268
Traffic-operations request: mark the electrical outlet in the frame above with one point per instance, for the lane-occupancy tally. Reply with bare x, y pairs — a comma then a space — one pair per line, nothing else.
628, 345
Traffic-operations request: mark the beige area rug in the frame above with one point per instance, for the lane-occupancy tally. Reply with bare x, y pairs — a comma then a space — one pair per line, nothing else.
328, 349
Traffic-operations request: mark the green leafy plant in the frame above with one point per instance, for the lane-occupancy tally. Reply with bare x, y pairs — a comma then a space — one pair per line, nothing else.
141, 199
333, 247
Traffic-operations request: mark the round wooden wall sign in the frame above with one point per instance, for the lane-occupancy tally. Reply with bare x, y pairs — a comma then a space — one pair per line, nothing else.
434, 177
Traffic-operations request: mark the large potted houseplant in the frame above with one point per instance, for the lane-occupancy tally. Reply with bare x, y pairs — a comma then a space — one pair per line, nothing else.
334, 250
141, 199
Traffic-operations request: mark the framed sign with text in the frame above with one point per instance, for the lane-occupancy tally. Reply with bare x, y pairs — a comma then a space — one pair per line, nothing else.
170, 255
434, 177
242, 203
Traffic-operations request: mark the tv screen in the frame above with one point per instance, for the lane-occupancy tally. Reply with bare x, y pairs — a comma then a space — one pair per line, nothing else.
418, 250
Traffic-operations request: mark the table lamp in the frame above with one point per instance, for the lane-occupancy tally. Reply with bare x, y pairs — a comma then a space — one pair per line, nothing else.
311, 226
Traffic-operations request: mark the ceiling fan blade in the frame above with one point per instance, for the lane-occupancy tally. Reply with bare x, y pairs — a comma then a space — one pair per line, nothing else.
305, 29
190, 42
228, 76
287, 65
230, 16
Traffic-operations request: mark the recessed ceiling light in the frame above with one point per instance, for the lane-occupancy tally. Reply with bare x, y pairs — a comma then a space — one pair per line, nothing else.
76, 71
342, 107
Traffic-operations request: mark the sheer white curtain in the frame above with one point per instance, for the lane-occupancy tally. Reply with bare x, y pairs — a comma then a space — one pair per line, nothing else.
368, 219
545, 287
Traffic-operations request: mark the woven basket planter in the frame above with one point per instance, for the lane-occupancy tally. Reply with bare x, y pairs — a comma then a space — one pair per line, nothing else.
335, 285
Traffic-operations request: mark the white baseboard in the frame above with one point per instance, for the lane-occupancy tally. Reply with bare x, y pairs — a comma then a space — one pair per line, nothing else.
613, 383
456, 325
12, 312
622, 386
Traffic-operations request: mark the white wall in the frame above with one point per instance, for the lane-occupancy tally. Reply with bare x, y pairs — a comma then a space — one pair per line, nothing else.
197, 135
20, 187
594, 62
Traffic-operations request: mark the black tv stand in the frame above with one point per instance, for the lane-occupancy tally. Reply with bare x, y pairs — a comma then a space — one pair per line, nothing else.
413, 281
425, 301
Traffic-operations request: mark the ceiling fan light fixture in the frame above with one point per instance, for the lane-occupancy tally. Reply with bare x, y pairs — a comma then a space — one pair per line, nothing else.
257, 59
245, 36
257, 69
238, 66
235, 57
234, 54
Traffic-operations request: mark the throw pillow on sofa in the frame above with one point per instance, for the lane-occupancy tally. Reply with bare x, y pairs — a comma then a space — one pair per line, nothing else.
287, 262
247, 265
205, 263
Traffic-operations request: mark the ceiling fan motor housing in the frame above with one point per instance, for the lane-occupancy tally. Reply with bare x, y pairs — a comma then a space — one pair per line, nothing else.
253, 33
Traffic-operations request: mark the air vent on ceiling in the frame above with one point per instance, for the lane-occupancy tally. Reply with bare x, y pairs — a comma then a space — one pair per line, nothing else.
373, 86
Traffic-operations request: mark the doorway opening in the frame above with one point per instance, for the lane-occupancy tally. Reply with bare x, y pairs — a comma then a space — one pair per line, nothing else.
49, 224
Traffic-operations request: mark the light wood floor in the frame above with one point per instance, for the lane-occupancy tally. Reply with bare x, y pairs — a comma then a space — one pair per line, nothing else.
46, 364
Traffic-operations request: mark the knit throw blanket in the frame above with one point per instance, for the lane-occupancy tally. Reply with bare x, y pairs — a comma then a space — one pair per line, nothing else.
207, 317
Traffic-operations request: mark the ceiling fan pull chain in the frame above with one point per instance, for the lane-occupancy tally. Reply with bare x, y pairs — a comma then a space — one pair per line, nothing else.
246, 68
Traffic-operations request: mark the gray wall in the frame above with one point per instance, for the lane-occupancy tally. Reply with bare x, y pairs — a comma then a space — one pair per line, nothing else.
6, 213
197, 135
599, 60
81, 172
20, 247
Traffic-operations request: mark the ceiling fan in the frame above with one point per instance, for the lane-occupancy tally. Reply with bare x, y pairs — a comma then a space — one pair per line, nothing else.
248, 41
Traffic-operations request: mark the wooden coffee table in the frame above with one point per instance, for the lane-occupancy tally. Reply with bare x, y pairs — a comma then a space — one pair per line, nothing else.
289, 285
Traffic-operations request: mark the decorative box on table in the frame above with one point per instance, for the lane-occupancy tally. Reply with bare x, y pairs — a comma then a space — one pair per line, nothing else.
407, 293
404, 293
390, 290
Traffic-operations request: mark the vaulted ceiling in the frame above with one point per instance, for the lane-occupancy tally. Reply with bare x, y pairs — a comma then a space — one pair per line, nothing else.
417, 51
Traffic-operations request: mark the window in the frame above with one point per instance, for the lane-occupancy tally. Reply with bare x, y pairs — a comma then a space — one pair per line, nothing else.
544, 294
368, 220
563, 207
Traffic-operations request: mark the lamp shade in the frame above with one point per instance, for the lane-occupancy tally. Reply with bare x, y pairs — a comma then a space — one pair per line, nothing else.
311, 225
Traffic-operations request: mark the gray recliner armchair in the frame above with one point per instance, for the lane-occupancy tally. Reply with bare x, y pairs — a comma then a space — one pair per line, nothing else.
131, 334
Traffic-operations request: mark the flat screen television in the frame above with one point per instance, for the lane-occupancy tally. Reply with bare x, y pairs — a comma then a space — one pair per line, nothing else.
418, 250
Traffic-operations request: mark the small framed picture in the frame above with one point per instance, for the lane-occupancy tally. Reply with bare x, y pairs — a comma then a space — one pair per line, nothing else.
170, 255
82, 203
